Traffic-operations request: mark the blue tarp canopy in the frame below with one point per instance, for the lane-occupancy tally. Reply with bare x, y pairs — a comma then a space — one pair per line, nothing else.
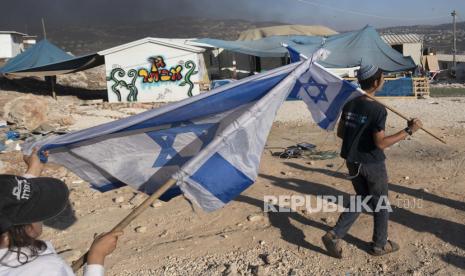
346, 50
46, 59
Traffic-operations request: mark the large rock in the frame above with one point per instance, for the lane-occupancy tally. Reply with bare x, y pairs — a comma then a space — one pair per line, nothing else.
26, 111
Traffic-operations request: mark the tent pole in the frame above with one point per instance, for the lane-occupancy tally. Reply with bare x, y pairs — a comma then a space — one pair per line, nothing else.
54, 94
43, 28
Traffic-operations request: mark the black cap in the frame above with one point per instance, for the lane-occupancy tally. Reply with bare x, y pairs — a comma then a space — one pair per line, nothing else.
28, 200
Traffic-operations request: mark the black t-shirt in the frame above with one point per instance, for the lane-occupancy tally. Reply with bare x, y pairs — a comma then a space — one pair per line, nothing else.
361, 118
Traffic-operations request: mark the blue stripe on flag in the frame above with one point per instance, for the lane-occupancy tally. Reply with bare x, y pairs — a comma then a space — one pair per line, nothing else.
231, 183
294, 95
336, 105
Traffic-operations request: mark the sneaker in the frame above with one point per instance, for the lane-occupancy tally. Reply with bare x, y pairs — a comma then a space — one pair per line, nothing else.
333, 244
390, 247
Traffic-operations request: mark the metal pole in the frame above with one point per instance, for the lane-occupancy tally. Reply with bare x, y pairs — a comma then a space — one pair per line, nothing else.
454, 50
43, 28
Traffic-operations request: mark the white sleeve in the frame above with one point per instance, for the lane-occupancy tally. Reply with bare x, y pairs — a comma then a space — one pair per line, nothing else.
94, 270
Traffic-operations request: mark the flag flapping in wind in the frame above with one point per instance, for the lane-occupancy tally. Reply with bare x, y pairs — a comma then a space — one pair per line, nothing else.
294, 55
324, 93
211, 143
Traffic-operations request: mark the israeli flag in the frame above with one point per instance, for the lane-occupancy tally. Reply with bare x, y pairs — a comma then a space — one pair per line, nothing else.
211, 143
325, 94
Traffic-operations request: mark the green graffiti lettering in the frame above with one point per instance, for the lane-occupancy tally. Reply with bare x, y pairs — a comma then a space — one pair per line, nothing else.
133, 92
187, 78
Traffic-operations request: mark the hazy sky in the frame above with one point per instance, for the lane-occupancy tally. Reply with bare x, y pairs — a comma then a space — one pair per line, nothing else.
338, 14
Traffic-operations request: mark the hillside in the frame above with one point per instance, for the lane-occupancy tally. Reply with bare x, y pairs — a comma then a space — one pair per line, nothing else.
82, 39
85, 39
439, 37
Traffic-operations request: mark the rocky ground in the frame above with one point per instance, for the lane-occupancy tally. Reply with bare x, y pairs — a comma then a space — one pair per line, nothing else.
174, 238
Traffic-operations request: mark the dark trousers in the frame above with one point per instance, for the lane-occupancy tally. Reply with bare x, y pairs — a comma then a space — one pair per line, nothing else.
371, 179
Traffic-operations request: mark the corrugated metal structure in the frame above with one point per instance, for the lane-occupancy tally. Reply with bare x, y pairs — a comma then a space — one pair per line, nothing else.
406, 44
393, 39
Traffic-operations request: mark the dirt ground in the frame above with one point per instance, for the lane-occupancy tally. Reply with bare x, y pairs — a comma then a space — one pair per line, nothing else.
427, 184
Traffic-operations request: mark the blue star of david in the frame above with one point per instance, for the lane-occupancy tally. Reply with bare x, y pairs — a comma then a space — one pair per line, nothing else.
165, 139
321, 87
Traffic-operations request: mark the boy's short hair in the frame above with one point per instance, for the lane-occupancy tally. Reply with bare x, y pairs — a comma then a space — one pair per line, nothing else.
367, 75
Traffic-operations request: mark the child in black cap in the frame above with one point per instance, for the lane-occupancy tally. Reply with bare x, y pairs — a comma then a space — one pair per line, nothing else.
24, 203
362, 128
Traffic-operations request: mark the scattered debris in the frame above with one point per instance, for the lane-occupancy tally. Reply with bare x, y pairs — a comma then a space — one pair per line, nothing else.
140, 229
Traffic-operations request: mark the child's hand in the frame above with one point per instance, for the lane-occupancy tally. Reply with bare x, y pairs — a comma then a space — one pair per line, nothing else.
415, 124
34, 165
102, 246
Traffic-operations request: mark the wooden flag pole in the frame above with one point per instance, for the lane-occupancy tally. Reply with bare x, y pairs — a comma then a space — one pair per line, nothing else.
403, 116
129, 218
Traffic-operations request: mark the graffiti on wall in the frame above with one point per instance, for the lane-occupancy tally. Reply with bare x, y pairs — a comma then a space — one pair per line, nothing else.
187, 78
117, 83
157, 73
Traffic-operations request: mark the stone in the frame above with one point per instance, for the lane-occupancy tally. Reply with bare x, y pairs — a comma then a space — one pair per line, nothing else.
163, 234
125, 206
231, 270
262, 271
45, 128
311, 163
406, 177
262, 243
292, 272
27, 111
140, 229
254, 217
119, 199
271, 258
328, 220
156, 204
66, 121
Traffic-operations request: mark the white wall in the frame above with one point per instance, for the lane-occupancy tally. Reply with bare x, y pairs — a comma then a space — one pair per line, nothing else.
6, 46
150, 90
413, 50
